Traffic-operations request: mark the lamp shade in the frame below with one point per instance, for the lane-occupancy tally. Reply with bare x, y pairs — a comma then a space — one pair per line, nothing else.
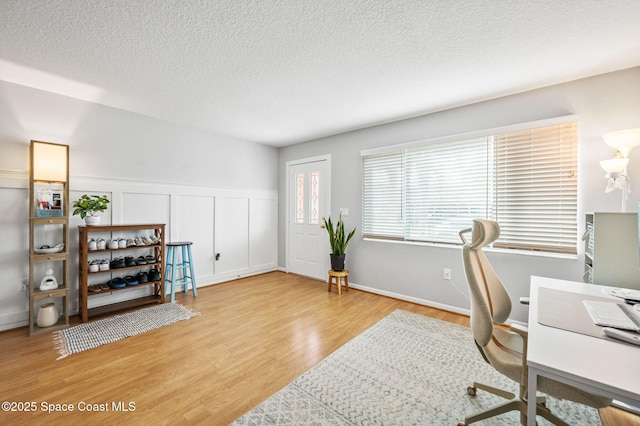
623, 140
49, 162
615, 165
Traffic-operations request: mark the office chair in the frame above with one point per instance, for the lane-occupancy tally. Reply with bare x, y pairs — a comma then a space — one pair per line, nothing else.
505, 349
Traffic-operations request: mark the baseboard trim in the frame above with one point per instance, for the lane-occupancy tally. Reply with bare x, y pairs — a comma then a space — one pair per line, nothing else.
415, 300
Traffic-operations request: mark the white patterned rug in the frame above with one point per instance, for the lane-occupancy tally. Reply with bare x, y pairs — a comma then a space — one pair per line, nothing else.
407, 369
97, 333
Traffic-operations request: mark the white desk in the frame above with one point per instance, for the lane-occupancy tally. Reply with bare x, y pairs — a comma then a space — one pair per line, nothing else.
596, 365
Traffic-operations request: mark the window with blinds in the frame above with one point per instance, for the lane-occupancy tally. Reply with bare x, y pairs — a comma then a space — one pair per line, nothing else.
526, 180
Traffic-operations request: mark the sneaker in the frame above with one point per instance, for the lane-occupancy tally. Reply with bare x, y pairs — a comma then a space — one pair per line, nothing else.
154, 239
142, 277
118, 262
154, 275
104, 265
94, 265
139, 241
122, 243
113, 244
147, 240
101, 243
141, 260
131, 242
130, 261
93, 245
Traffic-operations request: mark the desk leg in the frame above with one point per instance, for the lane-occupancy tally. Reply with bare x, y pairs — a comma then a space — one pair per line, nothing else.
531, 399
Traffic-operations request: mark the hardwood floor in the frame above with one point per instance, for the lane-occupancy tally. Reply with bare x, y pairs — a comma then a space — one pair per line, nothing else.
254, 336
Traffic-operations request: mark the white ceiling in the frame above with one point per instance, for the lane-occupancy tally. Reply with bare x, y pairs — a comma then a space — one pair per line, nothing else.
285, 71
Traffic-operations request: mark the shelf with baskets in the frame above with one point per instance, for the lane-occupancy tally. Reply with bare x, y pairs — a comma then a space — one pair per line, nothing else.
117, 274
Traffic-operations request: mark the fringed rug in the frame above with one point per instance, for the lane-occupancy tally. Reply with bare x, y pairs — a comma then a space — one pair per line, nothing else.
407, 369
97, 333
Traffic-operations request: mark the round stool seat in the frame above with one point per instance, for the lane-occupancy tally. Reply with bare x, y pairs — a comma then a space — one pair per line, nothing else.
179, 243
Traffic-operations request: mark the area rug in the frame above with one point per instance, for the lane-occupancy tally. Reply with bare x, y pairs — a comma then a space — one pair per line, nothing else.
108, 330
407, 369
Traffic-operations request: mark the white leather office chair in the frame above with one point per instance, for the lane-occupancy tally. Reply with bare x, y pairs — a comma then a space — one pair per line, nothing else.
505, 349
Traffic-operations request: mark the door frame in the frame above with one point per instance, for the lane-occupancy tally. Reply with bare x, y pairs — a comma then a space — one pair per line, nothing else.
288, 196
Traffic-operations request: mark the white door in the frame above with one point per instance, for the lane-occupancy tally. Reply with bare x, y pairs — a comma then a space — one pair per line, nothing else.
308, 201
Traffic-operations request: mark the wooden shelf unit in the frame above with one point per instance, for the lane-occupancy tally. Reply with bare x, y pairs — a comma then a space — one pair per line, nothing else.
48, 227
124, 231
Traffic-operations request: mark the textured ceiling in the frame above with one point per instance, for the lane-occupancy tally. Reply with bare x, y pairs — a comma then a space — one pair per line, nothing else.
285, 71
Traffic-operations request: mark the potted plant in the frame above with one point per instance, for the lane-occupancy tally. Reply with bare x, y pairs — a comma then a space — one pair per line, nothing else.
338, 240
89, 208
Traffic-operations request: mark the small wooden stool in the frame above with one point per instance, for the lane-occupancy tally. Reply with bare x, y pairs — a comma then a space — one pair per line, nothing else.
338, 275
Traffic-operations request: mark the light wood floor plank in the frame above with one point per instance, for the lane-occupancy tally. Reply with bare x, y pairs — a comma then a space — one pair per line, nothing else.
254, 336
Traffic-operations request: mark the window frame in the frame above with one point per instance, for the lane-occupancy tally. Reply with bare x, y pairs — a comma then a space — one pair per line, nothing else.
485, 133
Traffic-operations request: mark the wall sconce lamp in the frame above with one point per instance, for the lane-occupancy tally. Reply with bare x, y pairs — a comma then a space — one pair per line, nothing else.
623, 141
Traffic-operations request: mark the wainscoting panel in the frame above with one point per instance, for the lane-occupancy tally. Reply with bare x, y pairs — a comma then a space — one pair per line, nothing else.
232, 236
263, 233
239, 224
194, 222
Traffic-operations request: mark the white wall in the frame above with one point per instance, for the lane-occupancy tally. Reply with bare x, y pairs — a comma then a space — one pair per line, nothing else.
414, 272
152, 170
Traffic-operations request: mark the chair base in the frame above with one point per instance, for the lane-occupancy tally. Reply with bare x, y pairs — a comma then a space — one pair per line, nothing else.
513, 403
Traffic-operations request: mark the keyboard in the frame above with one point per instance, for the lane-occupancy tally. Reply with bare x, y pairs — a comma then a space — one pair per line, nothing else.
611, 314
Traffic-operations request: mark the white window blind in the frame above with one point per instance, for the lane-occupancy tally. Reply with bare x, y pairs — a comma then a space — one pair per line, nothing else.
526, 180
383, 177
446, 187
536, 188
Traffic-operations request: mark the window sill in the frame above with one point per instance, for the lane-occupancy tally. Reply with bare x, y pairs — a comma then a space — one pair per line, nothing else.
488, 249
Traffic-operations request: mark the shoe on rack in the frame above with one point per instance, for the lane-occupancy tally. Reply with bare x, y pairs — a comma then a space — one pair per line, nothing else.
95, 288
104, 264
142, 277
154, 239
113, 244
139, 241
130, 261
101, 243
117, 283
94, 265
154, 275
150, 259
131, 280
118, 262
93, 245
122, 243
131, 242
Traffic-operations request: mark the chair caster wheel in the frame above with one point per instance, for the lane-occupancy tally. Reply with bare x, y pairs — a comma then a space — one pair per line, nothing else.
471, 390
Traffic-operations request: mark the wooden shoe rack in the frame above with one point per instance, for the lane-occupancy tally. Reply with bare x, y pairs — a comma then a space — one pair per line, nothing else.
86, 278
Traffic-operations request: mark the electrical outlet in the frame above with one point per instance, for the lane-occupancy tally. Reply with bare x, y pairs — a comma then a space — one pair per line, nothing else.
24, 285
446, 273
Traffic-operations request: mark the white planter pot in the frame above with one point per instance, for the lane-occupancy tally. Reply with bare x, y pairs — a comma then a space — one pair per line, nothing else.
92, 220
